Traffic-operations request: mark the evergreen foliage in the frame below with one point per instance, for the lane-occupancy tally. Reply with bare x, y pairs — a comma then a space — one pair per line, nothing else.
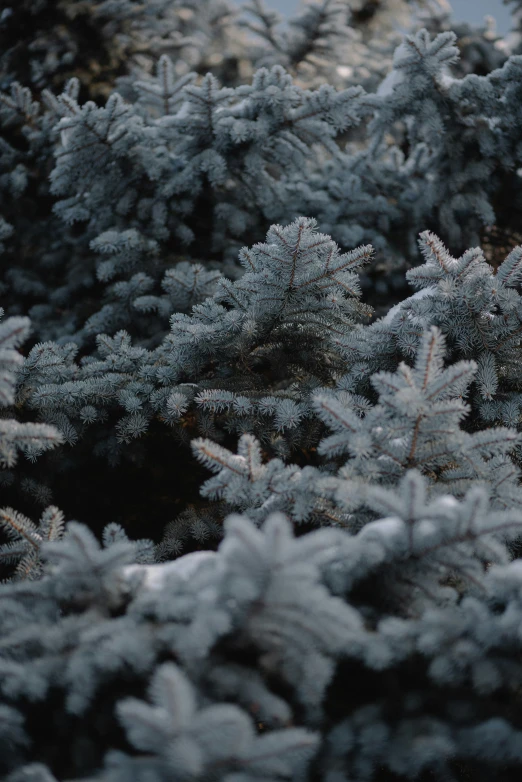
209, 220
